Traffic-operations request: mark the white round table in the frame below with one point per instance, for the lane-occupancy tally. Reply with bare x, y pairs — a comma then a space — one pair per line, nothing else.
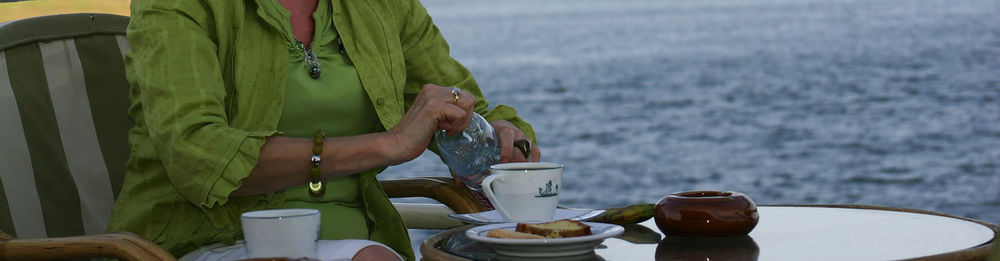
824, 233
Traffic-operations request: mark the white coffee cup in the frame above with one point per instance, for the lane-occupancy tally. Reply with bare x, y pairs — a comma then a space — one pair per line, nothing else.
281, 233
524, 191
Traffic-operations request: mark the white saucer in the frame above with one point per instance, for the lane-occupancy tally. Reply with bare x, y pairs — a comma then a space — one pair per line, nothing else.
547, 247
494, 217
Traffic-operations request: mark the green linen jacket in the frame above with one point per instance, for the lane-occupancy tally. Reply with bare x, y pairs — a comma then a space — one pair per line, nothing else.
208, 79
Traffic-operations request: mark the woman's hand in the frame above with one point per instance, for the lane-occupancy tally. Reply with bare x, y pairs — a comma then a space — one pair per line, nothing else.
435, 107
509, 134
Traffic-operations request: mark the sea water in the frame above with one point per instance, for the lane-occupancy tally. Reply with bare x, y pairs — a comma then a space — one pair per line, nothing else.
880, 102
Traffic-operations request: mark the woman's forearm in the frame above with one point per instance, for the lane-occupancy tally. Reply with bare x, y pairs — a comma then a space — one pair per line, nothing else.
284, 161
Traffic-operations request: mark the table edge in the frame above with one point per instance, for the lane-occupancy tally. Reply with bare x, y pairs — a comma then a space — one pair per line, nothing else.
429, 250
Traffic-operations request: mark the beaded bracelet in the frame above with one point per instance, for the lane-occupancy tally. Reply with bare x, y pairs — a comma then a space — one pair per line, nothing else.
317, 186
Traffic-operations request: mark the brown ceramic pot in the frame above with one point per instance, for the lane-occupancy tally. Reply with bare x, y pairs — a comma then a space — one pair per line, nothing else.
706, 214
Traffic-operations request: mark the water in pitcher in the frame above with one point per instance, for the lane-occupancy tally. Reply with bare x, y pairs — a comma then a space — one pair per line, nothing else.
470, 154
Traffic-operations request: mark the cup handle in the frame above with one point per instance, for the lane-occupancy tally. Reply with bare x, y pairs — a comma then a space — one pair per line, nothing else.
488, 191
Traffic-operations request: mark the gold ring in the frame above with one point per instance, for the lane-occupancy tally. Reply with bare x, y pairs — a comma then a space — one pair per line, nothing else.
458, 94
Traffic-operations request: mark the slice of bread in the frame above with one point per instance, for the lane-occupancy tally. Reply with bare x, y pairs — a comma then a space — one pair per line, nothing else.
503, 233
556, 229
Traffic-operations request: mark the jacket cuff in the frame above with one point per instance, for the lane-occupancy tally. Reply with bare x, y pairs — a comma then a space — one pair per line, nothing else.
504, 112
224, 211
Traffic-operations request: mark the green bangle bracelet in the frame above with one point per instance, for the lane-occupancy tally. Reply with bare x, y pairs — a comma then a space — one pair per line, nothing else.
317, 186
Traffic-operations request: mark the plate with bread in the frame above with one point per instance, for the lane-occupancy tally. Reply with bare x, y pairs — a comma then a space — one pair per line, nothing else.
562, 237
494, 217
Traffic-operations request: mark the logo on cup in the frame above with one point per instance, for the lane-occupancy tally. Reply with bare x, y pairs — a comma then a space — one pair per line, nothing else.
548, 191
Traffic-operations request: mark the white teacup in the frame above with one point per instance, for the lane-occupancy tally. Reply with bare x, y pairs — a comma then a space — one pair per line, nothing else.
524, 191
281, 233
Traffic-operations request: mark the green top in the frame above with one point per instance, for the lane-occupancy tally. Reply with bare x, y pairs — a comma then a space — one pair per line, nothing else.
208, 84
336, 94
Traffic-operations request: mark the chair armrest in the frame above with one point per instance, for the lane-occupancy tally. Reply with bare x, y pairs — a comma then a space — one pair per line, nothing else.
123, 245
443, 189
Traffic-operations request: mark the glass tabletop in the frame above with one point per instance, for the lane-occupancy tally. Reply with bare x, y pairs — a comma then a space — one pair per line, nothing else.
828, 232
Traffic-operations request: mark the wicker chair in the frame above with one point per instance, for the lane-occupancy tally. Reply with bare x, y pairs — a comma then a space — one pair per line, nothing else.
64, 101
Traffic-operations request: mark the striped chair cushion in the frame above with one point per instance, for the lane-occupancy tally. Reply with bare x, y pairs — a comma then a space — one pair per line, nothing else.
63, 108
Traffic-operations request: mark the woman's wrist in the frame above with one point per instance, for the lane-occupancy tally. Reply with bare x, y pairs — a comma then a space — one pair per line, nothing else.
387, 145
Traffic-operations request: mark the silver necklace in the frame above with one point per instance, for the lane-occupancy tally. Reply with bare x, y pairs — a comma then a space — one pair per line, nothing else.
312, 62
